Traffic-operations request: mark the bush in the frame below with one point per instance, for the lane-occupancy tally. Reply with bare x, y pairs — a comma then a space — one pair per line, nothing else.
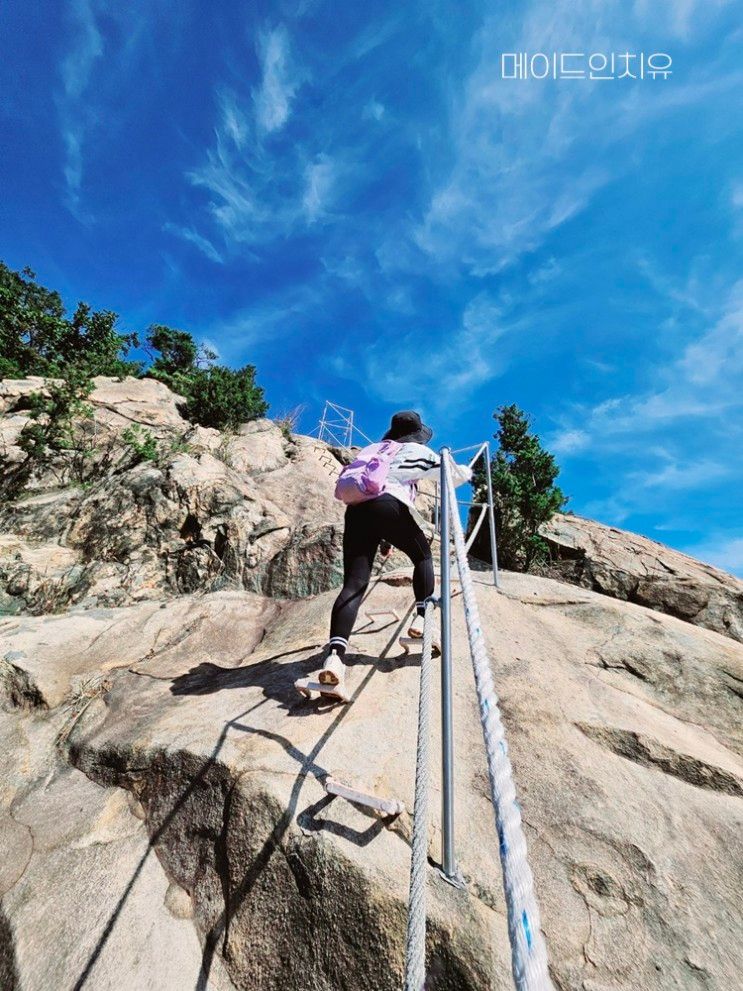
51, 429
224, 398
141, 443
524, 492
37, 338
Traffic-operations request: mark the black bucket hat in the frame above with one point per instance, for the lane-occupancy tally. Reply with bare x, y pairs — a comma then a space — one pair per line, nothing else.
408, 426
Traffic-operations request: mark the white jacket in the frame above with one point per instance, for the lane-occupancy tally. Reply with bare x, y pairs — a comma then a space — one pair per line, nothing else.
412, 463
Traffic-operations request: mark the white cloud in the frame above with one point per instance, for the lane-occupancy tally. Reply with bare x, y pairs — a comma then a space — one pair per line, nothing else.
703, 383
527, 155
234, 121
319, 178
279, 80
685, 295
76, 71
681, 16
261, 189
246, 332
202, 243
676, 476
373, 110
244, 201
566, 442
441, 369
724, 552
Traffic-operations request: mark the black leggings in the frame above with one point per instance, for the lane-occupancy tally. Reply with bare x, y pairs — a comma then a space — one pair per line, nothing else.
367, 524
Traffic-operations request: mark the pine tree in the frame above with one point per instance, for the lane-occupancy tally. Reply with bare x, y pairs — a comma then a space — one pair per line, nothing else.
524, 492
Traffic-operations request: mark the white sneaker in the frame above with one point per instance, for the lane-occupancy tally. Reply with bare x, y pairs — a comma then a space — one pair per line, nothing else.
334, 671
415, 632
415, 629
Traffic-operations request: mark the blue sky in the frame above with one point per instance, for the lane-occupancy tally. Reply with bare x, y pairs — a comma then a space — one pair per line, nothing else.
351, 197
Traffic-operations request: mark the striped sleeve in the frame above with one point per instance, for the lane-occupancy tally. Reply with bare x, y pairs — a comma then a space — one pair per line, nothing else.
416, 461
413, 462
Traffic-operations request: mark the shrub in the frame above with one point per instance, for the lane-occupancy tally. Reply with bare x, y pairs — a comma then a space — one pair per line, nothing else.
288, 422
51, 429
141, 443
223, 397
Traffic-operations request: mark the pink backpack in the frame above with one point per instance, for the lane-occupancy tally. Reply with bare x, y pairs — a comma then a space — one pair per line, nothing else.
366, 477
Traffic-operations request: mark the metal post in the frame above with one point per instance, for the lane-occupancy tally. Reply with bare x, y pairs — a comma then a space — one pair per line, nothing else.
449, 867
491, 516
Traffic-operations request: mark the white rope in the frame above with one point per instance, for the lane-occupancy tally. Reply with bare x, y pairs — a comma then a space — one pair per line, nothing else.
415, 947
528, 949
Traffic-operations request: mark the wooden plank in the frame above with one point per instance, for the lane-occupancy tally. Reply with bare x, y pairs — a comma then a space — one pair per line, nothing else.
389, 806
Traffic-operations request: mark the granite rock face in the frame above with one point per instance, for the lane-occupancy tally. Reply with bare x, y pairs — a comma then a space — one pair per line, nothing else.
162, 757
627, 566
253, 509
163, 817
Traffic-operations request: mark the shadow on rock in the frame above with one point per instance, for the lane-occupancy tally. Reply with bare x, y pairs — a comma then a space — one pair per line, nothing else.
276, 676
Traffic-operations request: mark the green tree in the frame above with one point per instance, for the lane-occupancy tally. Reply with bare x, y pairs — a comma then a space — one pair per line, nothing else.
525, 496
29, 316
177, 353
36, 337
216, 396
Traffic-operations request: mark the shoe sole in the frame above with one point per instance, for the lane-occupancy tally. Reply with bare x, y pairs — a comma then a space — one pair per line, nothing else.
303, 690
308, 689
336, 696
435, 648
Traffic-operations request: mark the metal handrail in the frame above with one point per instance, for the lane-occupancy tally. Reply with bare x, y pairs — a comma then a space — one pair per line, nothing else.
449, 867
482, 450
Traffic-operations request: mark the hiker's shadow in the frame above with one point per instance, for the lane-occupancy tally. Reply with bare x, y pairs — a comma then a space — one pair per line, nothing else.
275, 676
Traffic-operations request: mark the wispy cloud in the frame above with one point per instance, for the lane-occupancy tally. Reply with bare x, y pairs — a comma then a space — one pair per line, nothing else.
253, 330
529, 156
374, 110
682, 16
261, 187
202, 243
703, 383
234, 122
319, 178
76, 71
724, 551
571, 440
278, 83
439, 370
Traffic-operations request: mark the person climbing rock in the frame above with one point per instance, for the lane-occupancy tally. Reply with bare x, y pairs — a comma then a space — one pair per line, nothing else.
380, 488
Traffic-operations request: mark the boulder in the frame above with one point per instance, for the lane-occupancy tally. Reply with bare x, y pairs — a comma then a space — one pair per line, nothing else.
253, 510
14, 393
173, 766
150, 404
628, 566
84, 901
